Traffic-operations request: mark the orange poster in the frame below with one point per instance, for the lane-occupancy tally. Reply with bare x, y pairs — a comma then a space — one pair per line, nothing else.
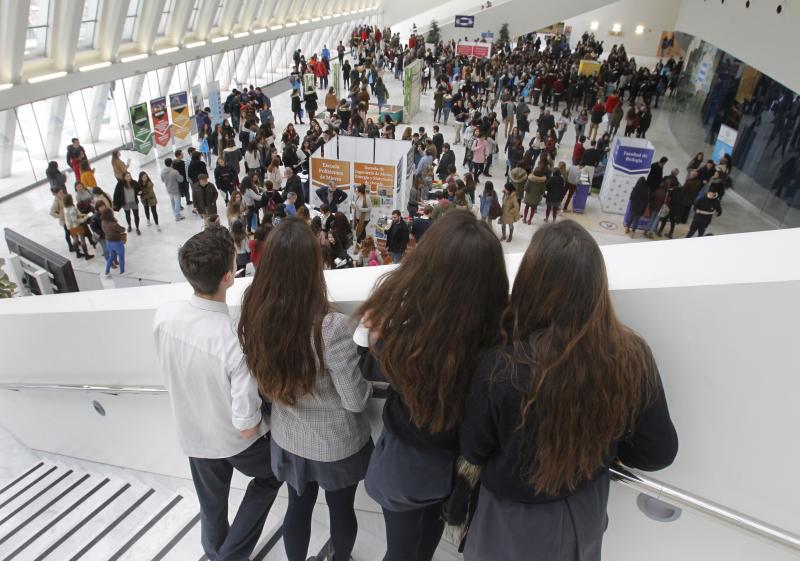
378, 177
325, 171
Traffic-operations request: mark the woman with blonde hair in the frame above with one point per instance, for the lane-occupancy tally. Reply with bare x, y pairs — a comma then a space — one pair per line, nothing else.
407, 134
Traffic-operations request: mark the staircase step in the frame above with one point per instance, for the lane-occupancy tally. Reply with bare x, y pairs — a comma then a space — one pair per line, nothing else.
158, 530
30, 489
11, 484
91, 521
29, 525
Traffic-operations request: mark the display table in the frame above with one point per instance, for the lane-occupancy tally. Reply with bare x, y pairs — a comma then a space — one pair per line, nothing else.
580, 197
395, 113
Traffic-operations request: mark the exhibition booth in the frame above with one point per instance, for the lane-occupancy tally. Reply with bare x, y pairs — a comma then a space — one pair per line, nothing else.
384, 166
629, 160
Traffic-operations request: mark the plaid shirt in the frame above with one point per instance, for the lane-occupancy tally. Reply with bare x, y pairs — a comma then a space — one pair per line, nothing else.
329, 424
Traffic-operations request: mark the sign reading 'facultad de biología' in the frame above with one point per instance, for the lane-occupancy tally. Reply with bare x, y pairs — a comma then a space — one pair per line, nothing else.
630, 160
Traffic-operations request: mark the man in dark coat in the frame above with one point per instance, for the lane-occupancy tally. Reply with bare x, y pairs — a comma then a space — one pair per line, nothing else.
640, 197
447, 159
656, 173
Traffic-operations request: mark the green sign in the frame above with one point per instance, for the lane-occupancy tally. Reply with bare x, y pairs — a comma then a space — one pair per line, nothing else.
412, 86
337, 80
140, 127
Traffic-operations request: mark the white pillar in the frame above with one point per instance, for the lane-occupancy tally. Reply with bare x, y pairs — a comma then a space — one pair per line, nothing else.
8, 127
55, 126
98, 109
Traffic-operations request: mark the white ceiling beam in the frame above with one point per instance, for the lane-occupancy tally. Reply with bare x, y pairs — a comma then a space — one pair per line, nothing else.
230, 10
179, 21
110, 22
62, 44
14, 26
147, 23
246, 17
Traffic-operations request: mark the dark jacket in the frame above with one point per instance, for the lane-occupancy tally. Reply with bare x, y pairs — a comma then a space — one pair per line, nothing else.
448, 159
689, 193
294, 185
397, 237
555, 189
225, 177
119, 193
331, 199
655, 176
489, 435
205, 198
196, 167
180, 166
640, 197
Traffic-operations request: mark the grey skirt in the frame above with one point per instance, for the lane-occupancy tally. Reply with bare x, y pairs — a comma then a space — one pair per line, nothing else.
567, 530
299, 472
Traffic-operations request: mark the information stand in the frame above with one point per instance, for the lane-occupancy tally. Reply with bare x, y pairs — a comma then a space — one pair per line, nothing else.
630, 159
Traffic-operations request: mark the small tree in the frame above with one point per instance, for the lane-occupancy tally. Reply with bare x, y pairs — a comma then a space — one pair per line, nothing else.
503, 36
434, 33
7, 288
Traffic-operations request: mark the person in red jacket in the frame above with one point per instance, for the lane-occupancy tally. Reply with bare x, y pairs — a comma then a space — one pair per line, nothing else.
578, 150
611, 102
321, 73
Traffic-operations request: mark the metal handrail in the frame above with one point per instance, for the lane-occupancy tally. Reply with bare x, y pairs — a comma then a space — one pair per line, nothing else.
620, 474
678, 497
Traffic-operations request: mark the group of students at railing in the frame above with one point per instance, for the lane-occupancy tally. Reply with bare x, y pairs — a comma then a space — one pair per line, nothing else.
538, 392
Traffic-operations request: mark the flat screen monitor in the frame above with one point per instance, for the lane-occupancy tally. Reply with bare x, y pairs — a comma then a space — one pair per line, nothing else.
59, 267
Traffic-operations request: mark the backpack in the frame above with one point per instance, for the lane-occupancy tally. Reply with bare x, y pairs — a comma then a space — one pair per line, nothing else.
495, 211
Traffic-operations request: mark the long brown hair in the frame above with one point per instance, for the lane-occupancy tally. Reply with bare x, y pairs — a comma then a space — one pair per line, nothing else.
589, 372
435, 313
280, 328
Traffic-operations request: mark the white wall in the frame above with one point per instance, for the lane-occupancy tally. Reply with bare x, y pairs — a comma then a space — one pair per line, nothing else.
655, 15
756, 35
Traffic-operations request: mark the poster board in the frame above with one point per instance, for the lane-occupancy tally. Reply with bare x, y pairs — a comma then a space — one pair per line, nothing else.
325, 171
197, 105
412, 81
474, 48
309, 84
179, 107
158, 111
337, 80
630, 159
589, 68
215, 104
140, 127
726, 140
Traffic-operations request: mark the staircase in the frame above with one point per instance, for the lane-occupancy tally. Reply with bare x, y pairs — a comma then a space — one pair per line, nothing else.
58, 511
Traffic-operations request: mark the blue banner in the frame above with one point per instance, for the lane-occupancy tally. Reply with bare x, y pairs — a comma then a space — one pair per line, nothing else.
632, 160
215, 103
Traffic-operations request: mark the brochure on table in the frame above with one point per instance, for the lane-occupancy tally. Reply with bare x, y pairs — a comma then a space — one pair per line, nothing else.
629, 160
348, 161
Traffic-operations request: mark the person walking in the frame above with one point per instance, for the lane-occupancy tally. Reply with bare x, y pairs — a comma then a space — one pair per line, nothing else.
215, 400
75, 155
397, 237
55, 177
490, 208
57, 212
639, 199
148, 198
172, 180
320, 433
570, 390
117, 165
115, 241
75, 222
534, 188
411, 470
704, 210
126, 197
510, 212
555, 187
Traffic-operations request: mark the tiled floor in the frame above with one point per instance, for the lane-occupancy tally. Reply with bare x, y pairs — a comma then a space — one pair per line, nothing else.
152, 257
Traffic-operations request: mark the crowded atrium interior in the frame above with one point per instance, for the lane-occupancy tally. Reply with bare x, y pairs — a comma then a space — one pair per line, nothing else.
357, 279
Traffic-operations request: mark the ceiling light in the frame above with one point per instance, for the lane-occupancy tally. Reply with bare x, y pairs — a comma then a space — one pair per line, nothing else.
594, 26
241, 34
166, 51
639, 29
327, 17
303, 21
276, 27
195, 44
315, 19
616, 28
290, 24
97, 66
219, 39
6, 86
45, 77
260, 30
131, 58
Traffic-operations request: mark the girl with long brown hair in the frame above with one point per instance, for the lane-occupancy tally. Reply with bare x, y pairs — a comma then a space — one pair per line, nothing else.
425, 324
570, 391
303, 357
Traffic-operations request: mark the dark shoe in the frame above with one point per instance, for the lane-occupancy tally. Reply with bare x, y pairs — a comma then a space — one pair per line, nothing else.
79, 255
129, 229
89, 257
509, 238
138, 232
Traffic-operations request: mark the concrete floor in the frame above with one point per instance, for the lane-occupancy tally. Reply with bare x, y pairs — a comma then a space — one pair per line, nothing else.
151, 257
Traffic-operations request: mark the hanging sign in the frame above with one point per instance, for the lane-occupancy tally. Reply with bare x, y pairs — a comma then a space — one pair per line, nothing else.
215, 104
161, 128
140, 127
179, 106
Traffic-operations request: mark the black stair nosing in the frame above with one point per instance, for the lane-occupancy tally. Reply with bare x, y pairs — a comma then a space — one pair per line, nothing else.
85, 549
144, 529
176, 538
21, 477
276, 537
28, 486
36, 496
54, 521
83, 521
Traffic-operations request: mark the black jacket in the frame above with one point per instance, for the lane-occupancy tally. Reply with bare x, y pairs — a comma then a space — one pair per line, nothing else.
119, 193
655, 176
196, 167
397, 237
331, 199
640, 197
447, 159
294, 185
180, 165
489, 435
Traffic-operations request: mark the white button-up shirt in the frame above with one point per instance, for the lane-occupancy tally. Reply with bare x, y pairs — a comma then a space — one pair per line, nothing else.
212, 393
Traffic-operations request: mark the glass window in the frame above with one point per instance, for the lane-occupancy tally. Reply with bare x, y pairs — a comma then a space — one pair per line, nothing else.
36, 38
218, 14
193, 16
162, 23
130, 21
88, 24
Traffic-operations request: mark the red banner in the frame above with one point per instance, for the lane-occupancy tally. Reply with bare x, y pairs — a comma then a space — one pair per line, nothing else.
464, 49
471, 48
161, 129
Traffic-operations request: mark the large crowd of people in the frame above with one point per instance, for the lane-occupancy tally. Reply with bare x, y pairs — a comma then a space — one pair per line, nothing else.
520, 103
